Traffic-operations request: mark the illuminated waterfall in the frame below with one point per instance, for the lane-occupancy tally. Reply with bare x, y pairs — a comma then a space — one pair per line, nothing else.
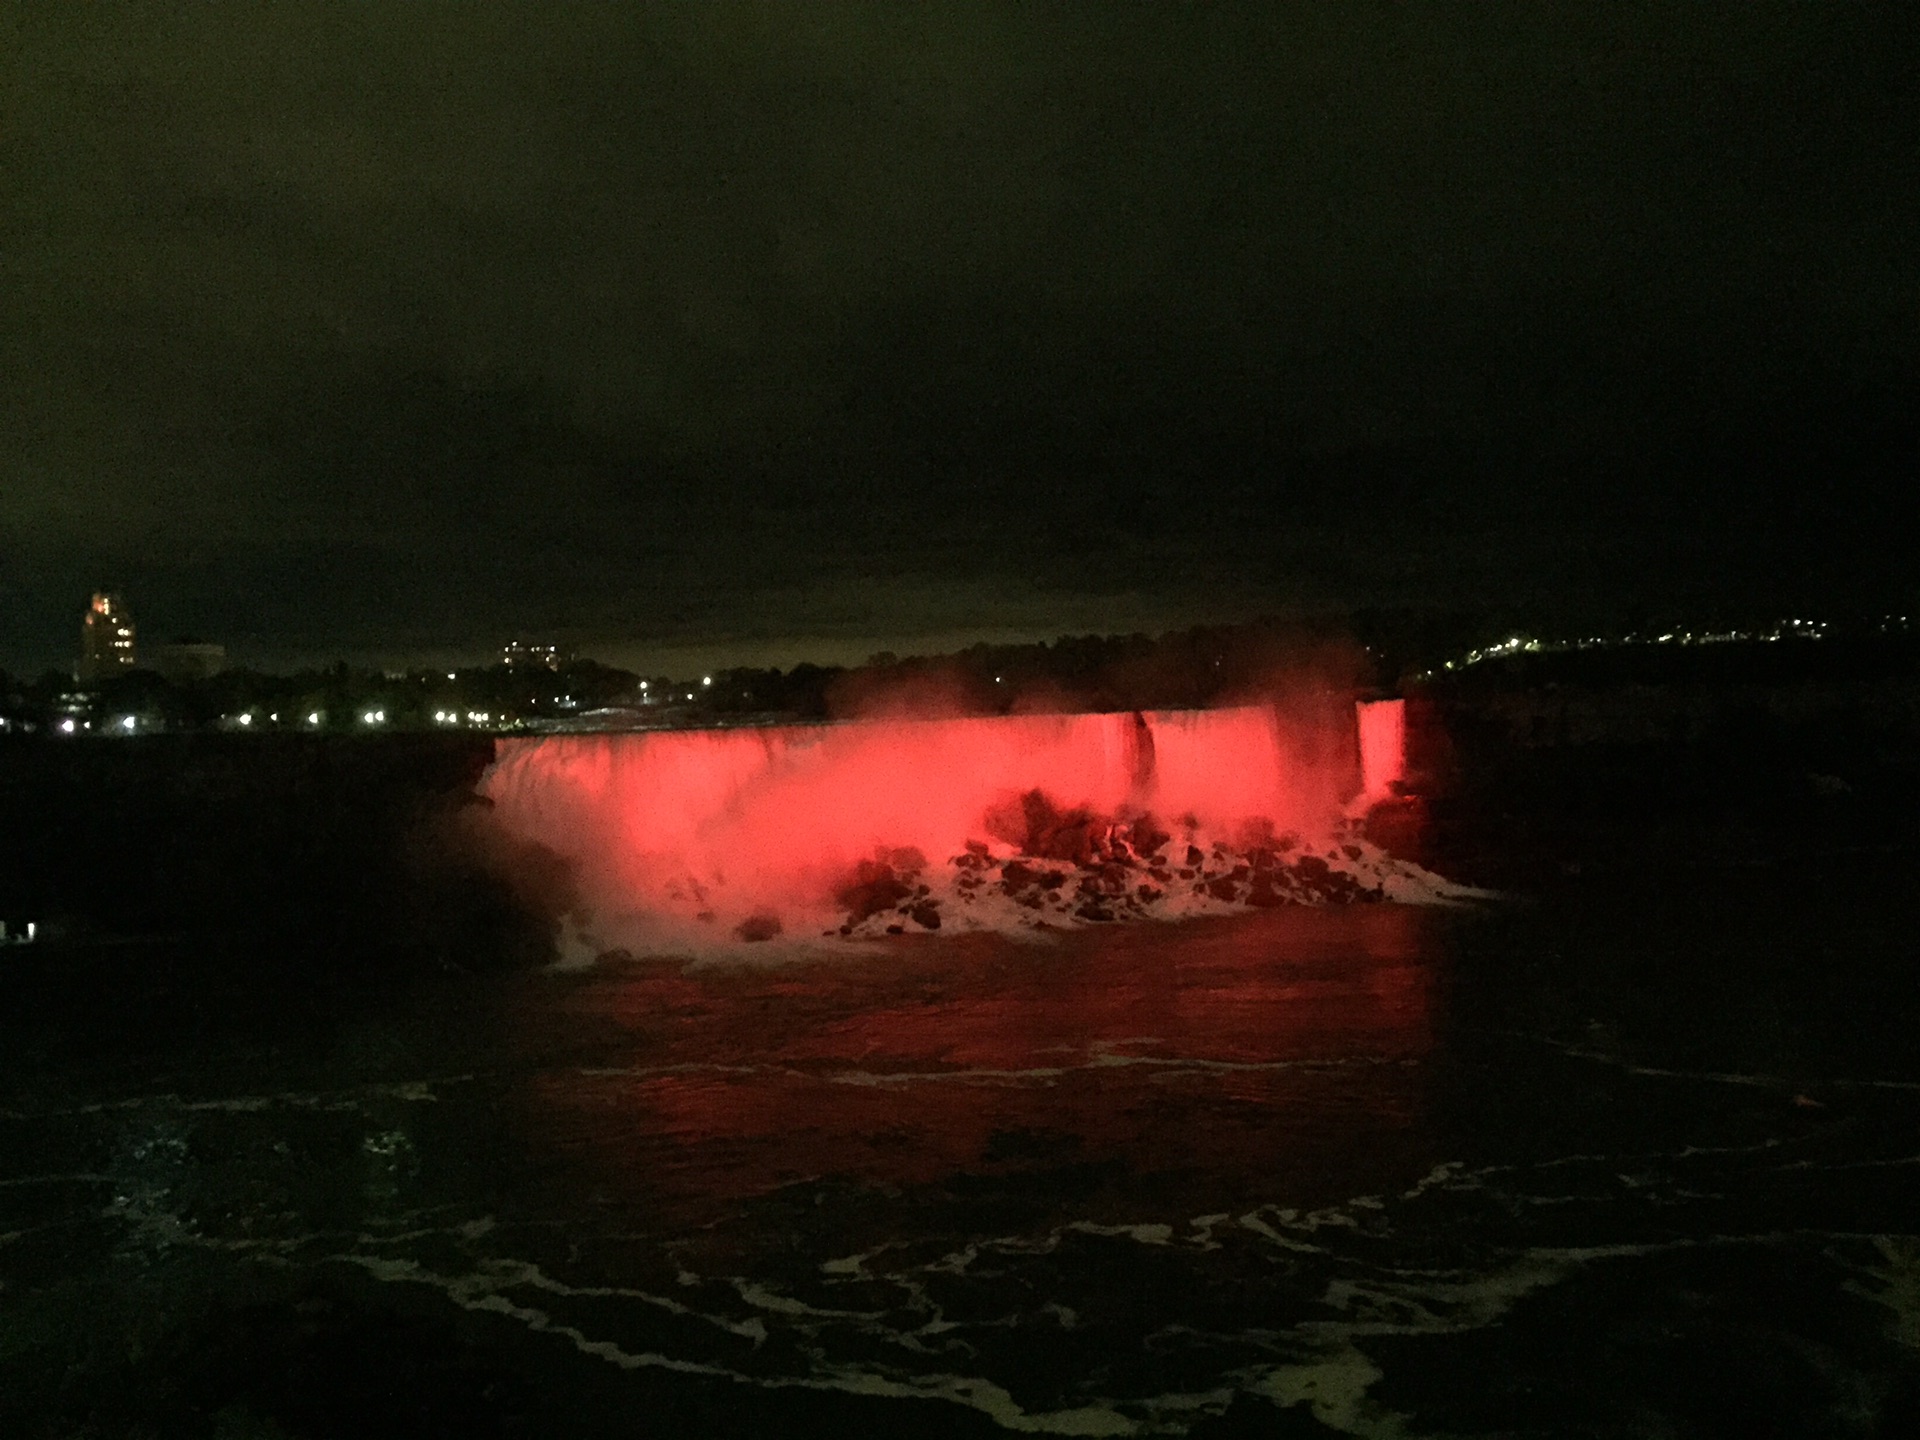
912, 824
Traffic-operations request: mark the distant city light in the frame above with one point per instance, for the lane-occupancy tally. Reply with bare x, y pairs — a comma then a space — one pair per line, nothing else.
1793, 629
67, 726
129, 723
313, 717
706, 680
374, 717
246, 718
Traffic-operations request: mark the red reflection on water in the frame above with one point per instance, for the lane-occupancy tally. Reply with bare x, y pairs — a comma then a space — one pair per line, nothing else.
1210, 1062
740, 820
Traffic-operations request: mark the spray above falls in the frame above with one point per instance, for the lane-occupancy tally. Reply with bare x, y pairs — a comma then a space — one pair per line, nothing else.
904, 825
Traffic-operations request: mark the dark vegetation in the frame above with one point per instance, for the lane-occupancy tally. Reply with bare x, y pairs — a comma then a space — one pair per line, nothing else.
1217, 664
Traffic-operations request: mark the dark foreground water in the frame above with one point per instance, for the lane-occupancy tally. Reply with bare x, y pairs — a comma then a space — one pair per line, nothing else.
1639, 1156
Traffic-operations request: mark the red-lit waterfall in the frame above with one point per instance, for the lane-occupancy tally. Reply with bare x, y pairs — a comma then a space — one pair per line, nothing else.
997, 823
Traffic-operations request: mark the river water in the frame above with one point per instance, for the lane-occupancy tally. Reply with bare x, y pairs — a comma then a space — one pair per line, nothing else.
1636, 1156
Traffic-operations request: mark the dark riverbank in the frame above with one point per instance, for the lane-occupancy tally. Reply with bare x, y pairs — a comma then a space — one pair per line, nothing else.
346, 847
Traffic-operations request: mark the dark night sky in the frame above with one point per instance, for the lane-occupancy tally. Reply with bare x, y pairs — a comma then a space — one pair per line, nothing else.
778, 331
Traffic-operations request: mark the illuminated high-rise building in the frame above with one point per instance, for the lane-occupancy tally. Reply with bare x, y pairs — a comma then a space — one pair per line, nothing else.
518, 655
106, 637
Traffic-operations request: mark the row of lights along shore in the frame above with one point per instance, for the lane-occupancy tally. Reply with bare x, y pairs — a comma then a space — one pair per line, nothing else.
109, 649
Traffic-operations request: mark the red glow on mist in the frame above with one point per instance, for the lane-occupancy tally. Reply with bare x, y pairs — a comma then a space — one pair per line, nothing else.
1383, 746
739, 820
